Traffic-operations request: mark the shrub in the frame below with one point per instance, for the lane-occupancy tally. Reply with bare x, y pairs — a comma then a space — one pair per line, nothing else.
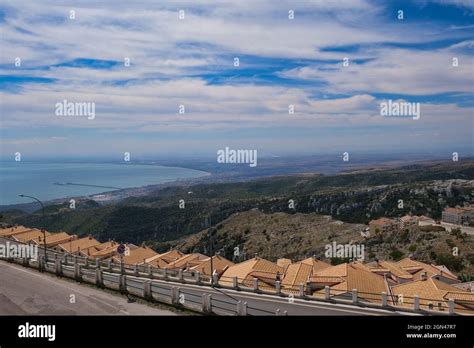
450, 261
396, 254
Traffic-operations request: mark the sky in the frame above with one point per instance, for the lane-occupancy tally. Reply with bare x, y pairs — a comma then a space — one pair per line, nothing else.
189, 60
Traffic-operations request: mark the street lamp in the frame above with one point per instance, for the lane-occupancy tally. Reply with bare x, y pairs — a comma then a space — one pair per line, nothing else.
42, 229
211, 232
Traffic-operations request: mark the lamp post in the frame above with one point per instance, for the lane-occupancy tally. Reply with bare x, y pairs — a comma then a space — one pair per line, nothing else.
42, 229
211, 232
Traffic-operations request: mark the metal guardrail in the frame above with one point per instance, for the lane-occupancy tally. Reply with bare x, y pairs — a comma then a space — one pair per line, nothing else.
139, 280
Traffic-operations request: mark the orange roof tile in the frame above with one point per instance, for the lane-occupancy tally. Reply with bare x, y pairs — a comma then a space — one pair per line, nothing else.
77, 245
54, 239
28, 236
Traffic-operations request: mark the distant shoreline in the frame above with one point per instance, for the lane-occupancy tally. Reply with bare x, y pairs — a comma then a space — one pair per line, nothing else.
108, 195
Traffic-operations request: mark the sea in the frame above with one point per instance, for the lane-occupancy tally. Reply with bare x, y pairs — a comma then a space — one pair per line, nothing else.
48, 181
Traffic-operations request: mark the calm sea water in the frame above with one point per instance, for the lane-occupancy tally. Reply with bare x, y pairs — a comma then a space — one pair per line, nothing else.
38, 179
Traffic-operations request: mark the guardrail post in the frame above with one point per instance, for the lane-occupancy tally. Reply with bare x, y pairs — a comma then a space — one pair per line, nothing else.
25, 262
198, 277
327, 292
109, 265
150, 271
277, 312
206, 303
416, 303
99, 278
165, 274
235, 283
135, 269
174, 295
241, 308
215, 279
301, 288
451, 306
180, 275
147, 290
122, 267
65, 259
41, 266
384, 299
123, 283
255, 284
278, 289
59, 267
97, 263
354, 295
77, 270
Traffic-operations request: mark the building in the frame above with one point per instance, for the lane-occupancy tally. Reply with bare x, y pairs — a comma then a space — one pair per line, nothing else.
29, 235
187, 261
101, 251
343, 278
257, 268
137, 255
392, 271
433, 294
219, 265
419, 269
458, 216
77, 245
162, 260
300, 272
383, 225
54, 239
11, 231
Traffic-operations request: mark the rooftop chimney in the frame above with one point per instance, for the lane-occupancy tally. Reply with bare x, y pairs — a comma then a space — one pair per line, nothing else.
424, 275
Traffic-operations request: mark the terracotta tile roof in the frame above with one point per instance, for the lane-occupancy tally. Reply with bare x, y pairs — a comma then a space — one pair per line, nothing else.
431, 291
77, 245
10, 231
284, 263
296, 274
138, 255
247, 270
103, 250
316, 264
460, 296
29, 235
417, 268
219, 263
326, 280
354, 275
392, 268
161, 260
54, 239
187, 261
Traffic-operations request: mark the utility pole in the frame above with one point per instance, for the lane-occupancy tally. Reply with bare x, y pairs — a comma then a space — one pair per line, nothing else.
42, 229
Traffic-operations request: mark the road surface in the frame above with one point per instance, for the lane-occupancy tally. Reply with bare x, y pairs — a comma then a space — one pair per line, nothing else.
25, 291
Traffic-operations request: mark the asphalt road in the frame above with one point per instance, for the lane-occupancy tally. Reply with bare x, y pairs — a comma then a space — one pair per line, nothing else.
25, 291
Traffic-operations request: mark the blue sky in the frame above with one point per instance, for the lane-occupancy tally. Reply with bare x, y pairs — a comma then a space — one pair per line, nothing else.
190, 62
